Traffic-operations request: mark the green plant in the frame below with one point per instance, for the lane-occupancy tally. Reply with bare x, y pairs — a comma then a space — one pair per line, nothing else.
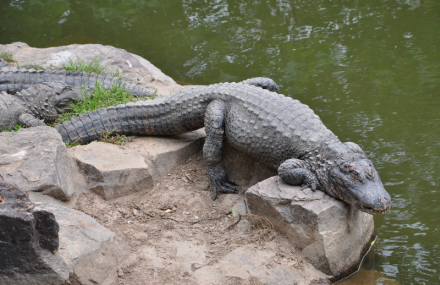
115, 73
71, 144
7, 56
92, 66
37, 67
99, 98
14, 129
81, 65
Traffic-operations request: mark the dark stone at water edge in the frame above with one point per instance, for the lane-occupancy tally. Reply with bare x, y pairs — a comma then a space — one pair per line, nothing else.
28, 241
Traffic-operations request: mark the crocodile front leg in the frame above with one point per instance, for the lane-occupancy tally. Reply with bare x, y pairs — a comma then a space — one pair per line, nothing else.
29, 121
295, 172
212, 149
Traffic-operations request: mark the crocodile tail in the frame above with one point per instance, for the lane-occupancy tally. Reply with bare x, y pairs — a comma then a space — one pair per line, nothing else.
88, 127
141, 118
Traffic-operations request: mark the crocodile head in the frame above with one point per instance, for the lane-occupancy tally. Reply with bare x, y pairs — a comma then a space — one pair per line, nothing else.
358, 183
64, 97
351, 177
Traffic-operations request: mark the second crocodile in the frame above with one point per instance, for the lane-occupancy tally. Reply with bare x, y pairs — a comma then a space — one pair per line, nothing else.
13, 80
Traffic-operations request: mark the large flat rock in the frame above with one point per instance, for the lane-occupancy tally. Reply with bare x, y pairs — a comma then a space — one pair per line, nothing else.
36, 159
133, 68
331, 233
247, 263
163, 154
112, 171
91, 252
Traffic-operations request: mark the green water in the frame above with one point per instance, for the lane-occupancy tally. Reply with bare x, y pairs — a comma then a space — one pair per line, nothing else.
369, 69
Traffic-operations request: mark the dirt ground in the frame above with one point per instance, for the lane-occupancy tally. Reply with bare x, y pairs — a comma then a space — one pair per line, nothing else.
208, 252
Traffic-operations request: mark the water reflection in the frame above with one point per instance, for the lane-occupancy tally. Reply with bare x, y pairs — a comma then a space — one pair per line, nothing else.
369, 69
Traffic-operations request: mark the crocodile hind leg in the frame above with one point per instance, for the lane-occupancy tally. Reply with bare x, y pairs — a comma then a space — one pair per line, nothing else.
212, 149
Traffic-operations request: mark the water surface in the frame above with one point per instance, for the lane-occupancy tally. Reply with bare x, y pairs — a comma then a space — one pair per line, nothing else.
369, 69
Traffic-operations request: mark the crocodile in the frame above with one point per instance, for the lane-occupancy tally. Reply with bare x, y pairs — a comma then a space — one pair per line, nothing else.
13, 80
35, 104
277, 130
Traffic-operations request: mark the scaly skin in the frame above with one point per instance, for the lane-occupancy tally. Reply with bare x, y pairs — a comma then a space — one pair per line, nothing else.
34, 104
13, 80
277, 130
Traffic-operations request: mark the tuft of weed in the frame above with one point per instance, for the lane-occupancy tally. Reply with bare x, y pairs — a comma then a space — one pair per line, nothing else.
116, 73
7, 56
264, 230
36, 67
81, 65
111, 137
71, 144
14, 129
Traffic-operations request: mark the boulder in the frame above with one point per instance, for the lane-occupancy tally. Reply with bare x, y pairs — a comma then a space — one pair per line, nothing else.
112, 171
163, 154
29, 241
36, 159
132, 67
331, 233
91, 252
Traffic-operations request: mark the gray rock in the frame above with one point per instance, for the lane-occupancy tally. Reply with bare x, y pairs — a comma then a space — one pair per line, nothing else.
163, 154
112, 171
132, 67
331, 233
91, 252
36, 159
257, 266
28, 242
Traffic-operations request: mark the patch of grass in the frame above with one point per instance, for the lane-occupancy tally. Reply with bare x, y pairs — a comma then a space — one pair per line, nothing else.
92, 66
111, 137
71, 144
116, 73
7, 56
99, 98
14, 129
36, 67
81, 65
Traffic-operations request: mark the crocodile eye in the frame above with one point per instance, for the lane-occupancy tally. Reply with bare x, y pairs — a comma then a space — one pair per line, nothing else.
356, 175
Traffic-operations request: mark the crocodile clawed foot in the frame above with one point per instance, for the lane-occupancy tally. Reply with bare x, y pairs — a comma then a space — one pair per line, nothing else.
312, 185
222, 184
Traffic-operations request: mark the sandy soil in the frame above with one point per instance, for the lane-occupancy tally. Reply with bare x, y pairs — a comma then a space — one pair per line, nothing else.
168, 252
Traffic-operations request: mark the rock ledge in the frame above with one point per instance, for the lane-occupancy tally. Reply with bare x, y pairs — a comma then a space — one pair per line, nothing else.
331, 233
